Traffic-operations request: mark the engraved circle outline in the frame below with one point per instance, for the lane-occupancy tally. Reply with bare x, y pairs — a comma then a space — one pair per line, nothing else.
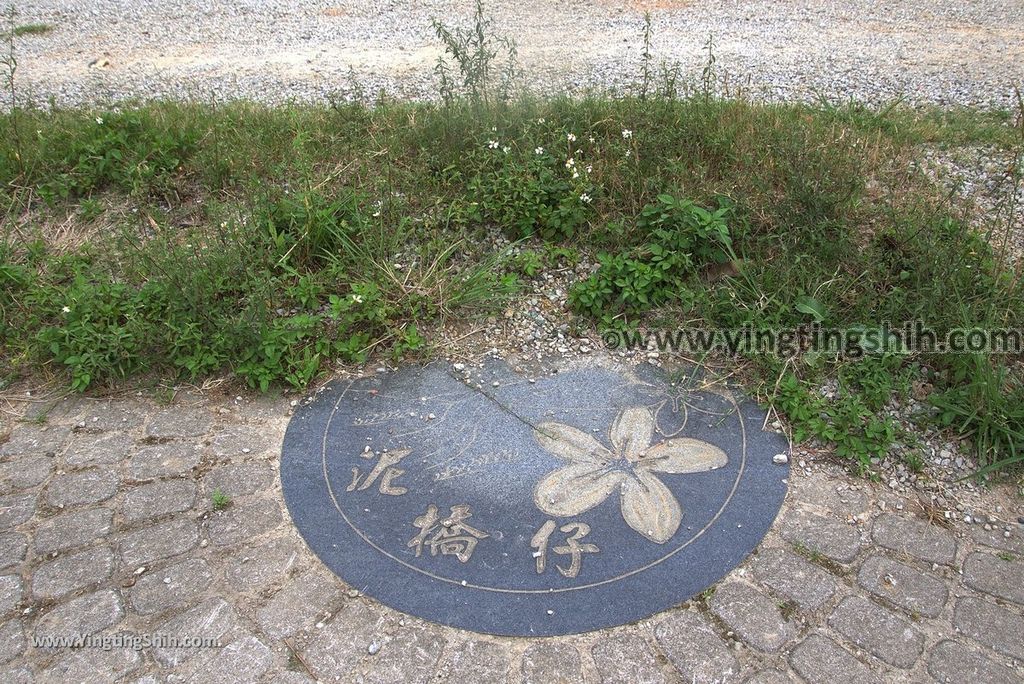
554, 590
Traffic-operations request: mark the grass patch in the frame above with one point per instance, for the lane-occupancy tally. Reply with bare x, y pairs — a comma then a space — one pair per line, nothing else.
269, 242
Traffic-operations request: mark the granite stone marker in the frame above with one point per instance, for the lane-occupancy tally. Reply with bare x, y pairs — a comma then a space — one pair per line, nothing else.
479, 499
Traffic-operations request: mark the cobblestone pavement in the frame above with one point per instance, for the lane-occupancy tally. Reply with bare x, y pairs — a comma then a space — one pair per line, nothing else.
107, 526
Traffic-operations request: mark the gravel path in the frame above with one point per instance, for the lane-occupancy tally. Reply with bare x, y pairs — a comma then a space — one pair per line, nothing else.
930, 51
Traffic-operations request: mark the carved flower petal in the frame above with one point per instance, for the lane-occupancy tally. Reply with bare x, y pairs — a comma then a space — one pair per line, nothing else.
631, 432
683, 455
575, 488
571, 444
650, 508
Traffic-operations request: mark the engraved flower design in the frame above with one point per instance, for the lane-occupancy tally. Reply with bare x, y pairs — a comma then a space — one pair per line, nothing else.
594, 471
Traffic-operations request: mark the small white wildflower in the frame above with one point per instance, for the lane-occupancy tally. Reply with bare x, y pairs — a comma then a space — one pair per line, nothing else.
494, 129
66, 309
629, 152
589, 168
506, 149
585, 198
575, 173
223, 224
626, 134
540, 120
570, 137
358, 299
99, 120
570, 162
539, 150
376, 214
493, 144
591, 139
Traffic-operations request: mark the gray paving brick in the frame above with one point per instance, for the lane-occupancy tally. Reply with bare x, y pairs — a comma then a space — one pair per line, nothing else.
253, 568
95, 449
241, 662
754, 617
84, 615
179, 422
300, 604
476, 662
12, 549
695, 649
73, 529
239, 479
904, 586
37, 440
95, 665
997, 539
157, 542
25, 472
158, 498
337, 649
990, 626
411, 656
83, 487
16, 509
808, 585
882, 633
242, 522
162, 460
915, 537
997, 576
172, 587
12, 640
71, 572
626, 659
12, 589
214, 618
831, 538
953, 663
548, 662
820, 660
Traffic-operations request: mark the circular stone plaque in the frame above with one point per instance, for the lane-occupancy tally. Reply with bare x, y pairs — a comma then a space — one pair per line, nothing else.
483, 500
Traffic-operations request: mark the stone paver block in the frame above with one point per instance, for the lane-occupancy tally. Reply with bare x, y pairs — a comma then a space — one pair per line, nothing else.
551, 663
12, 549
24, 473
36, 440
108, 416
241, 441
626, 659
476, 662
904, 586
242, 522
16, 509
84, 615
68, 530
820, 660
990, 625
171, 587
179, 422
162, 460
89, 449
300, 604
997, 539
915, 537
95, 665
798, 580
694, 648
158, 498
72, 572
882, 633
823, 491
255, 567
163, 540
818, 534
12, 640
11, 591
996, 576
211, 619
953, 663
753, 616
411, 656
83, 487
239, 479
240, 662
337, 648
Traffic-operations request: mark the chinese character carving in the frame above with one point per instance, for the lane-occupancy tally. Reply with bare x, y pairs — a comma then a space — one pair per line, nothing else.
451, 536
572, 547
384, 470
